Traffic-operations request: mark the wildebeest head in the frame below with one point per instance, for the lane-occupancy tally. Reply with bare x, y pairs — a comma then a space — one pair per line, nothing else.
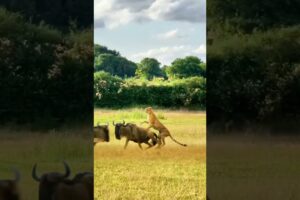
117, 129
102, 132
9, 189
48, 181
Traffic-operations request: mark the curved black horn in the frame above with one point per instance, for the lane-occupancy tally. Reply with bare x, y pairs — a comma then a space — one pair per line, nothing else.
123, 122
114, 123
34, 175
67, 169
17, 175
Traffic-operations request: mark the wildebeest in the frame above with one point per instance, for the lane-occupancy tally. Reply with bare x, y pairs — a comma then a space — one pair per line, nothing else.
87, 178
101, 133
9, 188
81, 187
134, 133
57, 186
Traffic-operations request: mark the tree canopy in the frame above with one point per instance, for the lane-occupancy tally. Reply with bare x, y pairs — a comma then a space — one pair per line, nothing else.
99, 49
60, 14
115, 65
253, 56
45, 76
149, 68
186, 67
248, 16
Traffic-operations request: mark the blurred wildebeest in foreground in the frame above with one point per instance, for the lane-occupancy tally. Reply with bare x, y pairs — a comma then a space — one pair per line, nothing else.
9, 188
87, 178
81, 187
58, 186
101, 133
135, 133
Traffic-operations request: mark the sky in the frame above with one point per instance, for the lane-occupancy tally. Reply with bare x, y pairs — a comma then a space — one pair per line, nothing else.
161, 29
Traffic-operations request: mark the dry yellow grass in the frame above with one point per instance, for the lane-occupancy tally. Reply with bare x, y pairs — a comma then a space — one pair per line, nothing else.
173, 172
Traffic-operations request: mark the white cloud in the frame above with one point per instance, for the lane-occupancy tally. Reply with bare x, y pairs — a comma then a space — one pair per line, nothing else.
113, 13
178, 10
170, 34
166, 55
201, 49
108, 14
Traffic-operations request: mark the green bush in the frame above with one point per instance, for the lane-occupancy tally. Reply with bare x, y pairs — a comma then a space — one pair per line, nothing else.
255, 76
111, 91
45, 75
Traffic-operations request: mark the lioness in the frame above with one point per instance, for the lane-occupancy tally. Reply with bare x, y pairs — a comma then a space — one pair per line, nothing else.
157, 125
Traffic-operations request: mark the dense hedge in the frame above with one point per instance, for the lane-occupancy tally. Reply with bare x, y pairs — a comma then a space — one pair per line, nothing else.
112, 91
45, 76
255, 77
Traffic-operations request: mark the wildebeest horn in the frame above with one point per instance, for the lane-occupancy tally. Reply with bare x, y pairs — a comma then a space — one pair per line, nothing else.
67, 169
123, 122
34, 175
114, 123
17, 175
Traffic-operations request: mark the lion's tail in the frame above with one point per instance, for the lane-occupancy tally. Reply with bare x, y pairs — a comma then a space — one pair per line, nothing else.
178, 142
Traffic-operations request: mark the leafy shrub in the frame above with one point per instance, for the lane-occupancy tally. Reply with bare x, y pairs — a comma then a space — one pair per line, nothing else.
44, 74
255, 76
111, 91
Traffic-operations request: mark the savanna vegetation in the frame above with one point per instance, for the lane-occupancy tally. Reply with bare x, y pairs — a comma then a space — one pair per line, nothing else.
112, 91
64, 15
172, 172
119, 82
45, 74
253, 56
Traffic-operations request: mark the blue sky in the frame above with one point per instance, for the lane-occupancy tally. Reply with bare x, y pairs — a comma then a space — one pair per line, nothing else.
162, 29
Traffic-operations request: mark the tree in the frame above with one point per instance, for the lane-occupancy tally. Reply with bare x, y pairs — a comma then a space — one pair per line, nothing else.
203, 68
115, 65
248, 16
99, 49
57, 13
44, 76
186, 67
149, 68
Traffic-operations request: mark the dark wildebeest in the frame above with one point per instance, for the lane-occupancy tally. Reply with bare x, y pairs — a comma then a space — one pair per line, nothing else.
87, 178
135, 133
101, 133
9, 188
81, 187
57, 186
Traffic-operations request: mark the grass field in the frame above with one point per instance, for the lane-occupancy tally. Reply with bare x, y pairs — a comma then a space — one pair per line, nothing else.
253, 167
21, 149
170, 173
